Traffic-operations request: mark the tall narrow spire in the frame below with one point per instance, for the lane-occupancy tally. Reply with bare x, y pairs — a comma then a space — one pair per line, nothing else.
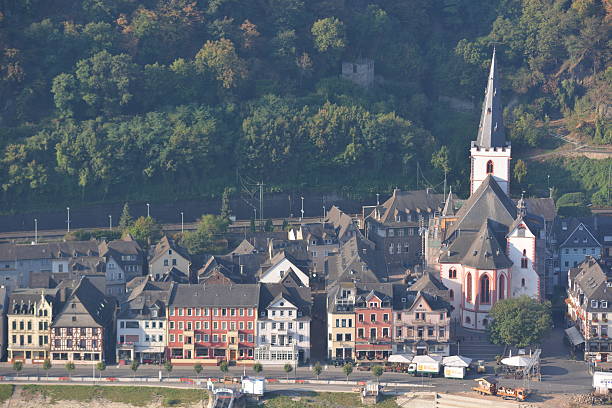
491, 129
449, 205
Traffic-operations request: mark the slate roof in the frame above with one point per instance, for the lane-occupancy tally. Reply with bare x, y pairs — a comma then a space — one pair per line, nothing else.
406, 203
166, 243
21, 301
230, 266
405, 298
146, 296
342, 223
449, 205
572, 232
202, 295
318, 232
594, 279
93, 308
356, 262
543, 207
491, 127
429, 282
54, 250
298, 296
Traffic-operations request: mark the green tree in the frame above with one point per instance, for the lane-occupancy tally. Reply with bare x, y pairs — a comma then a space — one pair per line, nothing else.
134, 367
17, 367
47, 366
317, 369
288, 368
198, 369
269, 225
168, 367
347, 369
145, 230
126, 220
220, 58
224, 367
101, 366
205, 237
69, 368
65, 94
440, 160
226, 211
257, 367
329, 34
520, 171
377, 371
519, 322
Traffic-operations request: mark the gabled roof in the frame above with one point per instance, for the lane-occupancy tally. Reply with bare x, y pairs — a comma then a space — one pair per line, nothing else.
491, 128
244, 247
92, 307
356, 262
145, 297
271, 293
343, 223
488, 201
594, 279
543, 207
428, 283
486, 252
408, 202
202, 295
166, 243
581, 236
22, 300
405, 298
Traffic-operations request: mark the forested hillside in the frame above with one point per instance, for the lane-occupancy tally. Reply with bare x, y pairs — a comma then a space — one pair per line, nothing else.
158, 99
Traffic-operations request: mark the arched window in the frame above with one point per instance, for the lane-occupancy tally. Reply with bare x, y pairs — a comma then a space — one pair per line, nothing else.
451, 294
502, 286
485, 295
485, 322
523, 282
468, 320
490, 167
524, 260
468, 290
452, 273
524, 252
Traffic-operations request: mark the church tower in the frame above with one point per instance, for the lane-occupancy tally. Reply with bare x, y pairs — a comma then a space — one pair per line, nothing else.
490, 153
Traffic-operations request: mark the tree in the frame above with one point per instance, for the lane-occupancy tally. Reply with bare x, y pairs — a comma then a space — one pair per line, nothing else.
47, 366
257, 367
168, 367
519, 322
224, 367
269, 225
347, 369
252, 225
145, 230
204, 238
70, 368
317, 369
17, 366
198, 369
220, 58
101, 366
329, 34
288, 368
226, 211
126, 220
134, 367
520, 171
377, 371
440, 160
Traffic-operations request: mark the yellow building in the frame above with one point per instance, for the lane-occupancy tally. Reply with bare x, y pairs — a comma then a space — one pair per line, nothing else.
341, 322
30, 312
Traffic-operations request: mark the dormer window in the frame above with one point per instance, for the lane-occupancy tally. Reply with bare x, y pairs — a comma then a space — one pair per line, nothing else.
169, 252
398, 218
594, 304
604, 304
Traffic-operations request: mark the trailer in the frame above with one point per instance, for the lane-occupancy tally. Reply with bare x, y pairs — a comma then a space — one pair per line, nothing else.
254, 386
427, 365
455, 366
488, 386
602, 382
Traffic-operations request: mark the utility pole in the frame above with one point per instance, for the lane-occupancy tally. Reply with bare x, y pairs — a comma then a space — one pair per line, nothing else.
182, 223
261, 184
445, 184
68, 220
35, 230
302, 210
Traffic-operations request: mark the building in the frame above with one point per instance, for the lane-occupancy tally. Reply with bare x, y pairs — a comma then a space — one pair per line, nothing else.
141, 323
283, 325
396, 225
422, 322
374, 322
30, 313
589, 308
341, 321
168, 258
209, 323
321, 242
83, 332
361, 72
490, 248
4, 302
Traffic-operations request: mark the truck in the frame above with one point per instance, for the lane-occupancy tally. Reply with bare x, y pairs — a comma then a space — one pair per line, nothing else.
602, 382
488, 386
425, 365
454, 372
254, 386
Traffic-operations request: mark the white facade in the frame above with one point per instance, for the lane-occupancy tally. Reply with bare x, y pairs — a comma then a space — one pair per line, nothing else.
522, 251
283, 335
278, 271
141, 339
495, 161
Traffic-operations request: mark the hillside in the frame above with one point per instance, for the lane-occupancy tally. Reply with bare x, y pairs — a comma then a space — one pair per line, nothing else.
113, 100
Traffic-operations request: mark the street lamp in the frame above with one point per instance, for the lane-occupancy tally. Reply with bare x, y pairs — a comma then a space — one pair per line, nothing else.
68, 220
182, 223
110, 222
35, 230
302, 210
148, 210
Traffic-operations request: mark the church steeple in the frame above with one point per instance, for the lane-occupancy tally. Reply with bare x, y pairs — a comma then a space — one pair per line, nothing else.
449, 205
491, 129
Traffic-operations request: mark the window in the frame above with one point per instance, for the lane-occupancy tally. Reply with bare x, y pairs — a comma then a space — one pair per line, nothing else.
502, 286
338, 337
594, 304
451, 294
524, 263
485, 295
360, 333
468, 285
490, 167
372, 317
165, 262
523, 282
452, 273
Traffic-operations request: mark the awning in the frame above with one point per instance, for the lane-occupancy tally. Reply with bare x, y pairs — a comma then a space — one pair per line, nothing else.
575, 337
517, 361
400, 358
456, 361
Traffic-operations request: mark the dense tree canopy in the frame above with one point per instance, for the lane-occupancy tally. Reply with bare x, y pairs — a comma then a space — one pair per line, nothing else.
124, 99
519, 322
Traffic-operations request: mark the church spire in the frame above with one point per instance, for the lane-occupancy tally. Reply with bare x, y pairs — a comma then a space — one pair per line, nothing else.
491, 129
449, 205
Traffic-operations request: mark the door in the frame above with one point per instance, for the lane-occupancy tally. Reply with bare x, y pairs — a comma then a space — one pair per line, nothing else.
232, 355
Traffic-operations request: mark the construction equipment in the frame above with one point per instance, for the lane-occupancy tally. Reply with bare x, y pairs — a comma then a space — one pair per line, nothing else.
488, 386
481, 367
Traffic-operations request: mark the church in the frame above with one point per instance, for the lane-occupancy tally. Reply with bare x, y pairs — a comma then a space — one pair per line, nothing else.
490, 248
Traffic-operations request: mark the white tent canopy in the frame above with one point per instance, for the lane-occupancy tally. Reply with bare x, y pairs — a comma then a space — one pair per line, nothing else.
426, 359
456, 361
517, 361
400, 358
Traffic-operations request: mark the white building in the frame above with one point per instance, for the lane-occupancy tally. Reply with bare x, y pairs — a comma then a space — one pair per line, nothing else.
141, 323
283, 326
